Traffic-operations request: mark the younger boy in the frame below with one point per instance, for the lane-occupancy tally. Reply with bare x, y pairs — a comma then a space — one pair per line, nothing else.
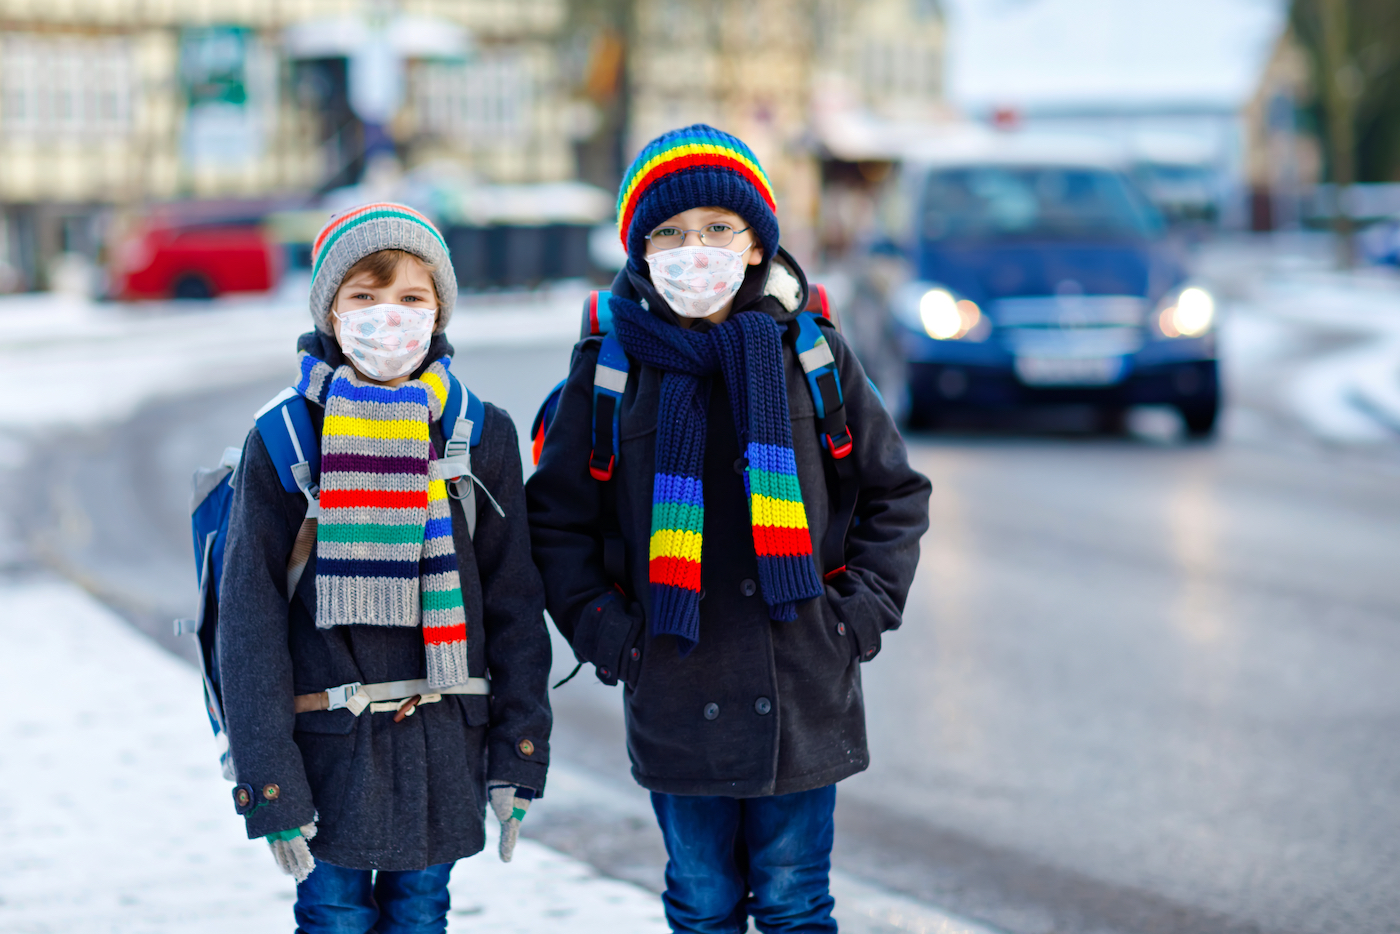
368, 804
738, 644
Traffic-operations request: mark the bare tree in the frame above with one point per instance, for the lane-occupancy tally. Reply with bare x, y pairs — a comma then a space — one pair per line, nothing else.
1355, 50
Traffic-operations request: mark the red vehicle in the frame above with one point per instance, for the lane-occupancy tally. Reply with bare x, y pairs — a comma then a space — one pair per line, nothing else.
197, 261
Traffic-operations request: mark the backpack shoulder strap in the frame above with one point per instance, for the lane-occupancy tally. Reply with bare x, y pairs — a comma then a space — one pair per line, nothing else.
462, 404
291, 441
609, 384
824, 383
462, 418
597, 314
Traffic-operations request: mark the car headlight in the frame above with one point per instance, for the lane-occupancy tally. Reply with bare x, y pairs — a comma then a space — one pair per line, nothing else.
942, 315
1190, 313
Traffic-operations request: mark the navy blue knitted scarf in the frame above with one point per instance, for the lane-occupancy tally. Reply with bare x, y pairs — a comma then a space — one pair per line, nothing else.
747, 350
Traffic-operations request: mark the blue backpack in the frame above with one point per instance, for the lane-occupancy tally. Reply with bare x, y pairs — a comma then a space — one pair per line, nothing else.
291, 441
610, 382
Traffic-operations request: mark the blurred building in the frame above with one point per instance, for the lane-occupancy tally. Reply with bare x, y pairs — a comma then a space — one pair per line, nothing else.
110, 106
773, 72
1282, 161
1166, 82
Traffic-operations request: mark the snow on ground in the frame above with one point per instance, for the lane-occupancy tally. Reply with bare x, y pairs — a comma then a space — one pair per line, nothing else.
1348, 396
115, 817
65, 361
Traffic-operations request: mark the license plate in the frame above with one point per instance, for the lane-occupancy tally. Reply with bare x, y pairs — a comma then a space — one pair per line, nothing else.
1069, 371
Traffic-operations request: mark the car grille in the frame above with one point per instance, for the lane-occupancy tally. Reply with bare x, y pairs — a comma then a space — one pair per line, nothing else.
1071, 325
1070, 311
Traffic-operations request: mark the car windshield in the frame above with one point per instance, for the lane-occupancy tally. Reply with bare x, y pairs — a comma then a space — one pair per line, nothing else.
1021, 202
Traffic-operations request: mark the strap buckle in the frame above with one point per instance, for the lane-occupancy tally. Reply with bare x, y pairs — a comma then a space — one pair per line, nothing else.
601, 474
340, 695
842, 447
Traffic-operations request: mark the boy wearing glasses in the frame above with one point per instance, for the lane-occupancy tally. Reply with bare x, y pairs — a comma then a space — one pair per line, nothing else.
739, 649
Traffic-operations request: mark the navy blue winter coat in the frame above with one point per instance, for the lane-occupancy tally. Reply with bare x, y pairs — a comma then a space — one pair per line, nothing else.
385, 795
759, 707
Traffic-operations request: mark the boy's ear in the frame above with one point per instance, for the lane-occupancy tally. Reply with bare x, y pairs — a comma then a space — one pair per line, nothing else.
755, 255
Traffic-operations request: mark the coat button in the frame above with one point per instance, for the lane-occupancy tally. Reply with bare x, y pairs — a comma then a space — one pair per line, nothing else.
526, 747
271, 791
747, 587
711, 711
741, 465
840, 629
762, 706
636, 654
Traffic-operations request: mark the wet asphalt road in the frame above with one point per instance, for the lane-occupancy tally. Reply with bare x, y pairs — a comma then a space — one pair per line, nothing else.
1141, 687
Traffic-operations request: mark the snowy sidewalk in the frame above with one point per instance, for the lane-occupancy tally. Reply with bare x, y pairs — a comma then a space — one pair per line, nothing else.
69, 362
115, 818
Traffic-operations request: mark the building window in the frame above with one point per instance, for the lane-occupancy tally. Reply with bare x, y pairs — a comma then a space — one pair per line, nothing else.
65, 86
485, 101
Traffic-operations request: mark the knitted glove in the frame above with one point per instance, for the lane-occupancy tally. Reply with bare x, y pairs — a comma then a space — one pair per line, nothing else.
291, 852
510, 802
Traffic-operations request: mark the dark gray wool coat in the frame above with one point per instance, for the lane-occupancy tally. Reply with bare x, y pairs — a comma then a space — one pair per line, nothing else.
759, 707
385, 795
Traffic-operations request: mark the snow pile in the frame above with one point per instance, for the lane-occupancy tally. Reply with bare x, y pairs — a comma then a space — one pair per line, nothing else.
115, 817
1352, 395
65, 361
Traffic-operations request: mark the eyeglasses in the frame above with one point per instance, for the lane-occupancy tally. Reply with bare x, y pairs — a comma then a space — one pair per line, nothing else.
668, 238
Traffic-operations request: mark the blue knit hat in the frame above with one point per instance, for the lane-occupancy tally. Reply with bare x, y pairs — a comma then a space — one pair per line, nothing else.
695, 167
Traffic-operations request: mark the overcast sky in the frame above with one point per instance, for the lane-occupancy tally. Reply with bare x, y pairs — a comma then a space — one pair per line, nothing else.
1024, 53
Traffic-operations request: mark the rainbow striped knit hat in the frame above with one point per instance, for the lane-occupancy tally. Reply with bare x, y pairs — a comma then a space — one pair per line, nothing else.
695, 167
352, 235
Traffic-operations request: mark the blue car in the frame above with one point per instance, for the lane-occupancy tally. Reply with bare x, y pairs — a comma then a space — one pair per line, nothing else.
1040, 281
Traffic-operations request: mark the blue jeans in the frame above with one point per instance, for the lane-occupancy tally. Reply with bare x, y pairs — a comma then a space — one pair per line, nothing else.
735, 857
336, 900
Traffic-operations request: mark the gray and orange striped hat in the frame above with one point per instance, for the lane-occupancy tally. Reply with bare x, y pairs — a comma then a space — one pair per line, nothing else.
352, 235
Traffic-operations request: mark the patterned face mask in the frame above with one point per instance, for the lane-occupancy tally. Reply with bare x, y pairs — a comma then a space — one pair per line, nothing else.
696, 280
385, 342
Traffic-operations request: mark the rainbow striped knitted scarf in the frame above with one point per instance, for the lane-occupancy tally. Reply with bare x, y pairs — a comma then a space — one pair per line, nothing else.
384, 550
747, 350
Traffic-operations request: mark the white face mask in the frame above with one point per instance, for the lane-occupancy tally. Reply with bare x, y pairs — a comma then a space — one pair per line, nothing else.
697, 280
385, 342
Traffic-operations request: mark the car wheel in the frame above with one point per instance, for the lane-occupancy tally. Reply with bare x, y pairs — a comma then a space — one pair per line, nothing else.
1200, 417
193, 286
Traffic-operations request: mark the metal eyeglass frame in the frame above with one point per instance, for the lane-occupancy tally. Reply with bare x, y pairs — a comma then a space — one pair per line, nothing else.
687, 232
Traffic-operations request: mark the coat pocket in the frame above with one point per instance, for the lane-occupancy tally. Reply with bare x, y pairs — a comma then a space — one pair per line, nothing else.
327, 758
326, 722
475, 707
